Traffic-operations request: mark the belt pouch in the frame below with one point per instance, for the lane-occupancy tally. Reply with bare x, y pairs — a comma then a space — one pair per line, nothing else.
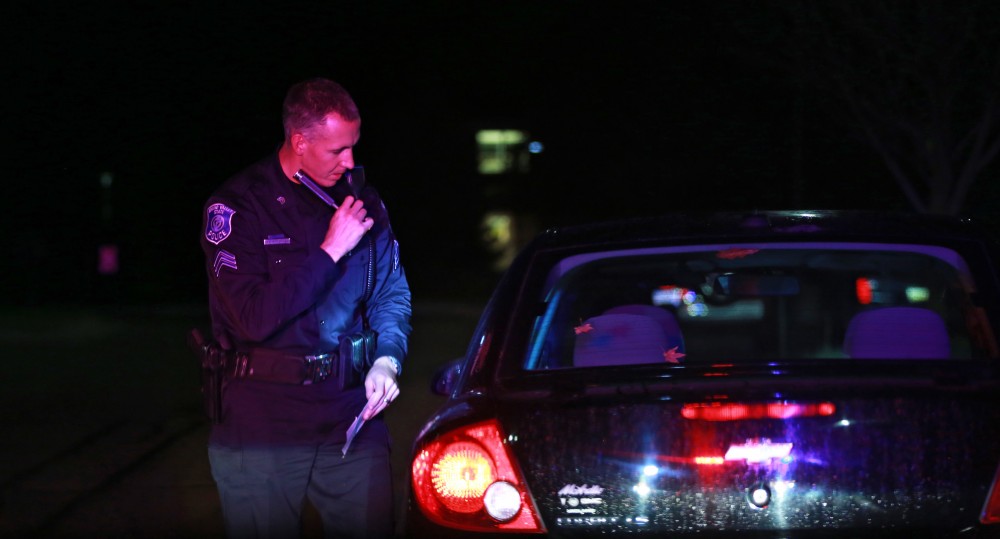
355, 357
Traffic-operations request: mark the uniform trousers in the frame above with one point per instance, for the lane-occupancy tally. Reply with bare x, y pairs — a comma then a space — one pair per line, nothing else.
263, 489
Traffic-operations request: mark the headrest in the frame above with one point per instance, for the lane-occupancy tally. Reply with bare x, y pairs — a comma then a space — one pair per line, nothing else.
619, 339
665, 318
897, 333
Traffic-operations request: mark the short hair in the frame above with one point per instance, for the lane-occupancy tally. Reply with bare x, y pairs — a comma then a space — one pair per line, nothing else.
309, 102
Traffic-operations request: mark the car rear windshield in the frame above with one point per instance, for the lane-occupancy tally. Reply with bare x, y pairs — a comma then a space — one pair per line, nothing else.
758, 303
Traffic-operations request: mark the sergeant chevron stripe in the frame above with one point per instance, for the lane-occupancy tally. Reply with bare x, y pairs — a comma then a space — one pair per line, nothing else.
224, 259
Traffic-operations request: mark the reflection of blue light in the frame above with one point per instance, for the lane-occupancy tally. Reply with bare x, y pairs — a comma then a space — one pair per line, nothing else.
780, 487
668, 296
535, 147
642, 489
697, 309
650, 471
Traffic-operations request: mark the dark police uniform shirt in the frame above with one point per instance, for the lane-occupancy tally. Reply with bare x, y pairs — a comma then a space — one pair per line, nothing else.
271, 286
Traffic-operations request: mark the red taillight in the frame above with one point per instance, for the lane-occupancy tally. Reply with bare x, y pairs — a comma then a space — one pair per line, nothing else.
466, 479
991, 510
460, 476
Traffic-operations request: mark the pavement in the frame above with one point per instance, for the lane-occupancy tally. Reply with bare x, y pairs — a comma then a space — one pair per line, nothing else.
102, 422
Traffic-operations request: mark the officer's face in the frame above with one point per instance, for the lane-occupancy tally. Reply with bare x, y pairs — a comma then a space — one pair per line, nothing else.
328, 151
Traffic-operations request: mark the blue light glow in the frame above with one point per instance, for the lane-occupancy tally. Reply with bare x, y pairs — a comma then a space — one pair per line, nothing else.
642, 489
697, 309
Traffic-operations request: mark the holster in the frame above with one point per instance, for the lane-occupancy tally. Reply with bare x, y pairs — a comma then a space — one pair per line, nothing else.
356, 354
212, 360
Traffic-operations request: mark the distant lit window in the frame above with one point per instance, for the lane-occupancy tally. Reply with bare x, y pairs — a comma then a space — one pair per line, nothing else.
498, 235
505, 150
107, 259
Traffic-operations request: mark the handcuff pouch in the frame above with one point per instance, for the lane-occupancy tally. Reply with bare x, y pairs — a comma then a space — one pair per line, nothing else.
356, 355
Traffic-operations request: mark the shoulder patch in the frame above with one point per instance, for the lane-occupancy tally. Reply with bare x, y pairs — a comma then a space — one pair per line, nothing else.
218, 224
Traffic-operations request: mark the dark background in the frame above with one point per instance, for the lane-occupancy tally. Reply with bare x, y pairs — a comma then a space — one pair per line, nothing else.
643, 107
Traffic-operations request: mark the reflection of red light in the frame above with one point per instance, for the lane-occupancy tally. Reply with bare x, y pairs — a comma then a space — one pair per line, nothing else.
991, 512
863, 288
734, 253
699, 460
718, 366
734, 411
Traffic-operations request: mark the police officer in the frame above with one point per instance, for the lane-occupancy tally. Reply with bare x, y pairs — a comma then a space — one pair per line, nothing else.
289, 279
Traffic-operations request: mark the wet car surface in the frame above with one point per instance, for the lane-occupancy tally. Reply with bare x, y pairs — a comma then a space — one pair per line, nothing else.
775, 374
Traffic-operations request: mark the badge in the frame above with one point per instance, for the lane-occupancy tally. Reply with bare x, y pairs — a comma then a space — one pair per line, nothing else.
219, 223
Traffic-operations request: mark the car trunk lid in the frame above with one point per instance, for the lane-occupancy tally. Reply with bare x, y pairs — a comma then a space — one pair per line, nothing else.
876, 454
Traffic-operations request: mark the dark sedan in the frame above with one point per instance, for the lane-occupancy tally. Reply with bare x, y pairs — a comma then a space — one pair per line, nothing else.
773, 374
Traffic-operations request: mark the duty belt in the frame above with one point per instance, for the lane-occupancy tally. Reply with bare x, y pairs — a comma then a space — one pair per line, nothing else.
275, 366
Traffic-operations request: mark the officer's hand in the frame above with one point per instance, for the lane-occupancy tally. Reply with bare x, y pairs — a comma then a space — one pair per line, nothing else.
380, 387
348, 224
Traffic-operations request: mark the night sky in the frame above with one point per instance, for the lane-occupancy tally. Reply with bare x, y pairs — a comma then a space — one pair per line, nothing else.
643, 107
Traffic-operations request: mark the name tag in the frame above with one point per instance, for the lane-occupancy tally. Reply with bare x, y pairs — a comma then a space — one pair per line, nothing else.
277, 239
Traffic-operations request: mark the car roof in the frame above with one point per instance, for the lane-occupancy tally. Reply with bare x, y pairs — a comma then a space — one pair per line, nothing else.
794, 225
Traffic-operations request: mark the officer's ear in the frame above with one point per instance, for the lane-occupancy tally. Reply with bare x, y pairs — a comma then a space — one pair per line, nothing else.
299, 143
